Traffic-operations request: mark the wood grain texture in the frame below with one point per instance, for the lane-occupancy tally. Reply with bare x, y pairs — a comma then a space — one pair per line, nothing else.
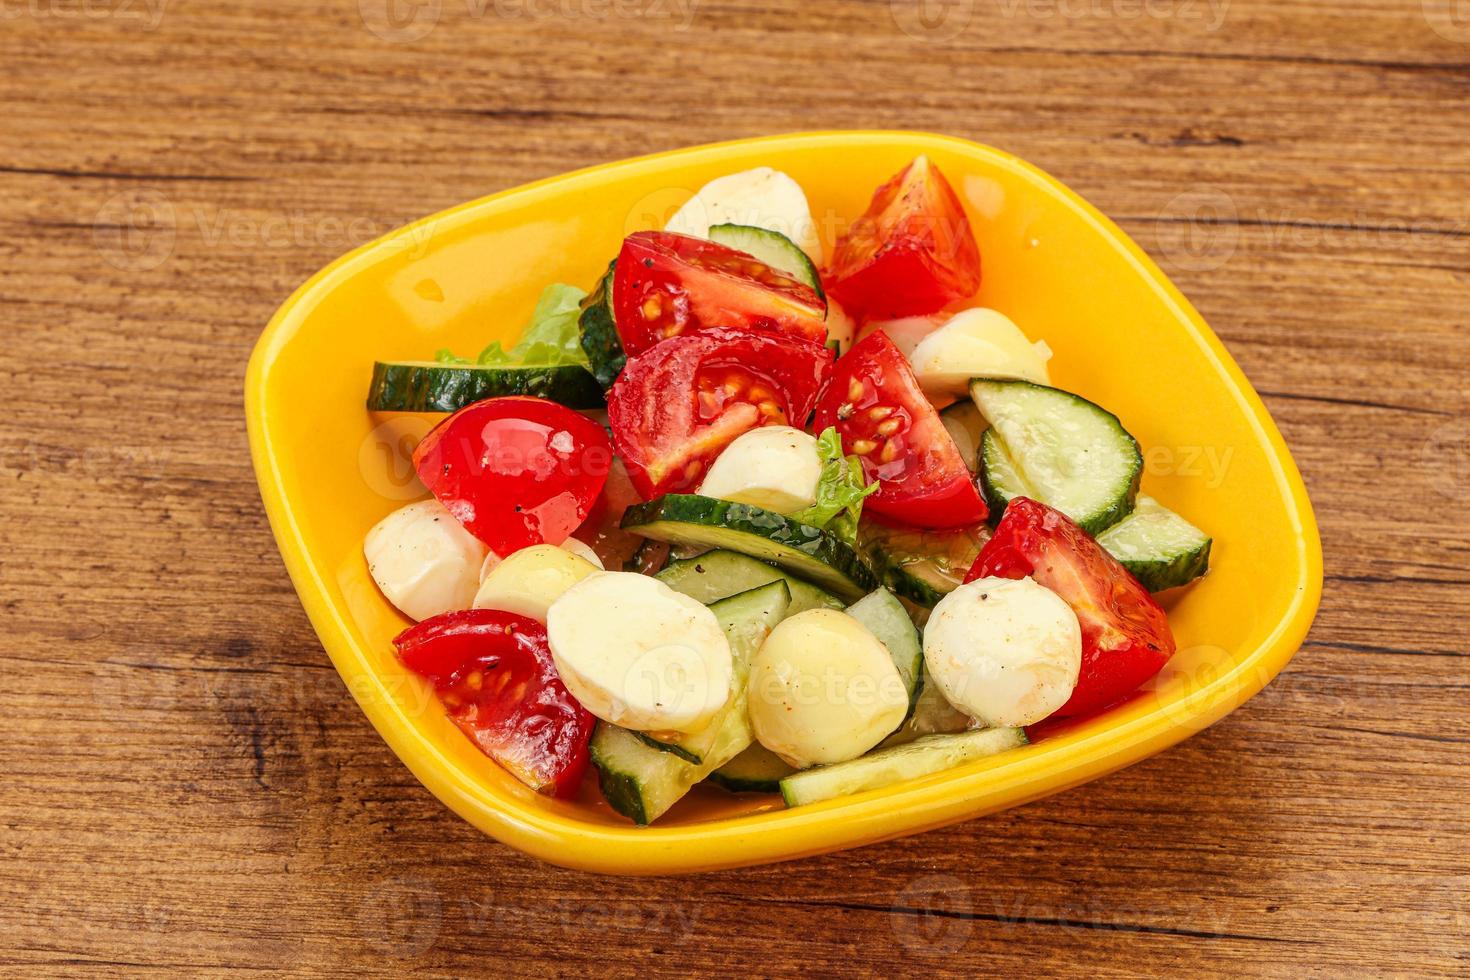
187, 786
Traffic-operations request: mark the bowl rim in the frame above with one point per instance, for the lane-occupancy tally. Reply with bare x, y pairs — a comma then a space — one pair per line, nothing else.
782, 834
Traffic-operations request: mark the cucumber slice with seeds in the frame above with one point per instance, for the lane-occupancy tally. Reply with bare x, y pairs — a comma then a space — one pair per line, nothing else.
1057, 448
921, 566
805, 551
933, 715
714, 575
642, 781
1160, 548
746, 619
599, 330
884, 616
756, 770
428, 386
922, 757
772, 248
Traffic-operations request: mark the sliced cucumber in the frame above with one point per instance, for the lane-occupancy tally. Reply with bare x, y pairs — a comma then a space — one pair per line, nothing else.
716, 574
884, 616
756, 770
600, 339
746, 619
921, 566
428, 386
1057, 448
772, 248
1160, 548
805, 551
966, 425
933, 715
641, 781
930, 754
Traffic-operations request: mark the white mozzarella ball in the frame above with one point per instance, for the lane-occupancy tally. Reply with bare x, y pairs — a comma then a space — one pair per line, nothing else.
424, 560
775, 467
906, 333
760, 198
1004, 651
638, 654
530, 580
579, 548
824, 689
977, 343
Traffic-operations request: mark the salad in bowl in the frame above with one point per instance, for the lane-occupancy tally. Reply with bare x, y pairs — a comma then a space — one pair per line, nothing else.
784, 521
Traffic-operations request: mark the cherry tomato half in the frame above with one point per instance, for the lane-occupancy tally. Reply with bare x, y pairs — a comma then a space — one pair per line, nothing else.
493, 671
1125, 634
677, 405
515, 471
885, 420
665, 285
911, 253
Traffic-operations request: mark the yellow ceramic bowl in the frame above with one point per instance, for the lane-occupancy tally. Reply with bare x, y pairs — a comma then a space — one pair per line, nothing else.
1123, 336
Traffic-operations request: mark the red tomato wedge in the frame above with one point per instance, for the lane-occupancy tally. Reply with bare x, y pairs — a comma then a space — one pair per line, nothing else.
676, 406
884, 418
665, 285
515, 471
912, 253
494, 673
1125, 634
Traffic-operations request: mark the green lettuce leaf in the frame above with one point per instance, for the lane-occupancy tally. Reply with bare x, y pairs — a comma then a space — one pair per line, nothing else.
550, 338
840, 490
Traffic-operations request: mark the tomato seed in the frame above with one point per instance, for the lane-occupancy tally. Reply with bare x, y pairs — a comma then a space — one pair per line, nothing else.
889, 453
888, 428
863, 446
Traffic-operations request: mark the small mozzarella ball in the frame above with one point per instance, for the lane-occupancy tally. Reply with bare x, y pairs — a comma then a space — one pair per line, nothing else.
530, 580
977, 344
775, 467
423, 560
906, 333
1005, 651
578, 548
759, 198
824, 689
638, 654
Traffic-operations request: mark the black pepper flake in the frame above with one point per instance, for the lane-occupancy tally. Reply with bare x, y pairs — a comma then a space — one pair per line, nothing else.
648, 263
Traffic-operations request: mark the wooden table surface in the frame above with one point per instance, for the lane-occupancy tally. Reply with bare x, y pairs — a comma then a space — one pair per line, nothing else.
188, 787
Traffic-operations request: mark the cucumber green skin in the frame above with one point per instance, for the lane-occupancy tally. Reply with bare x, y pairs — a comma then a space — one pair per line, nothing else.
886, 618
895, 572
423, 387
995, 494
998, 496
815, 785
620, 789
756, 770
1158, 575
770, 248
902, 582
807, 552
600, 339
719, 574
